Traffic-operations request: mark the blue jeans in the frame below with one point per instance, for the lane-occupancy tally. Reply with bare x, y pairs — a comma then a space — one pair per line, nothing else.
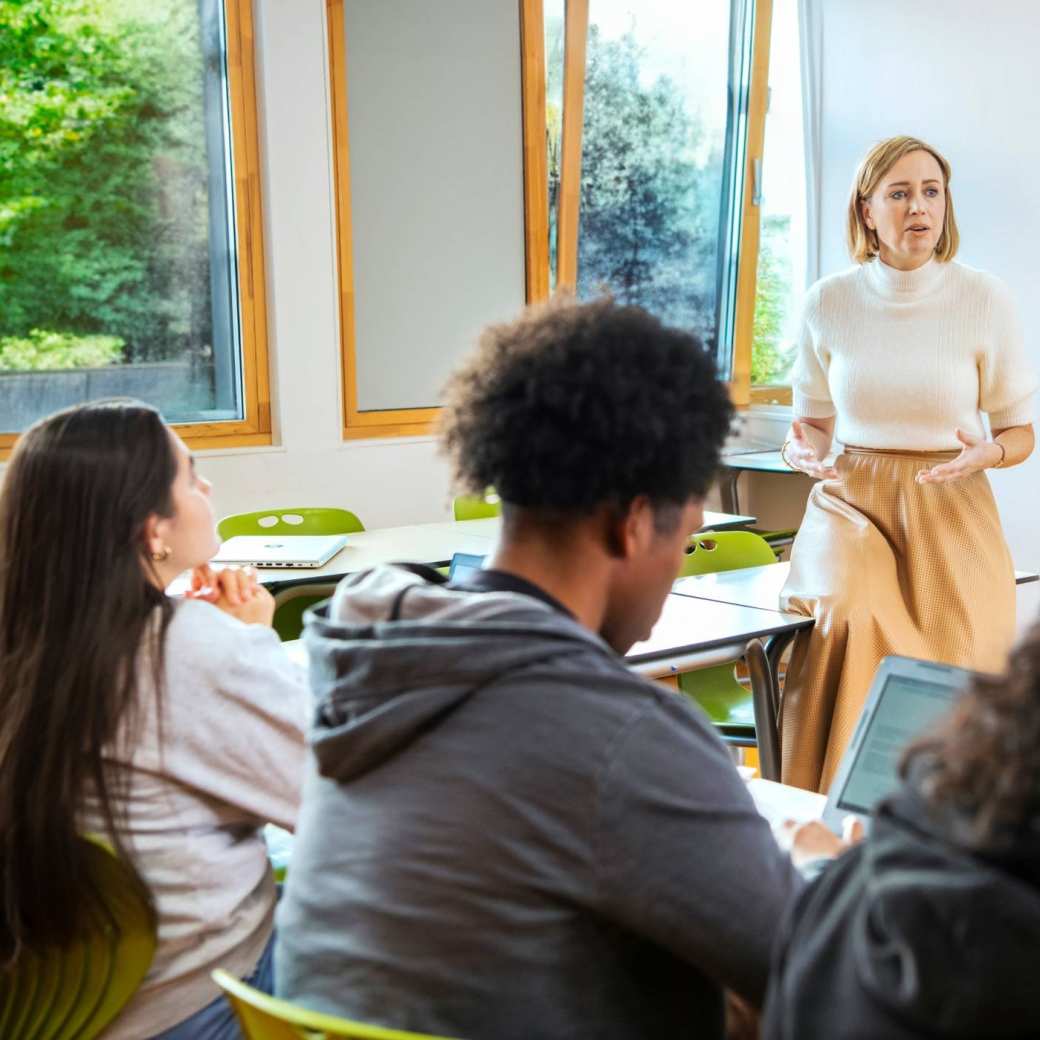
216, 1021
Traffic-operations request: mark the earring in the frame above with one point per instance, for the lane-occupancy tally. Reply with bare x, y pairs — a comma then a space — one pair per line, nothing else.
162, 555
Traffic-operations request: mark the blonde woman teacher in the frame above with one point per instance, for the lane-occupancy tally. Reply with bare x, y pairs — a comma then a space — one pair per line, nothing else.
901, 549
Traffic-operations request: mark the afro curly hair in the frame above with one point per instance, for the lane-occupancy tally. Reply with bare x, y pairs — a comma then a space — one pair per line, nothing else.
576, 405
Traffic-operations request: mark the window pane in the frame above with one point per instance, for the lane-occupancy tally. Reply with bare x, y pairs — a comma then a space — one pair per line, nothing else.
781, 255
117, 244
554, 15
657, 202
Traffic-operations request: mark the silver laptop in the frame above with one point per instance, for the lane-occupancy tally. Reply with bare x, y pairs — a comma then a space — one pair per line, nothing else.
287, 550
906, 699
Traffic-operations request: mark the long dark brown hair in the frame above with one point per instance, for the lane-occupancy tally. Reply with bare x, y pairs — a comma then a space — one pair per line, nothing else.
983, 763
77, 605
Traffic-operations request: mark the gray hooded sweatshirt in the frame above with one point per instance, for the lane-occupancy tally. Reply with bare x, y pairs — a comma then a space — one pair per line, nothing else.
507, 834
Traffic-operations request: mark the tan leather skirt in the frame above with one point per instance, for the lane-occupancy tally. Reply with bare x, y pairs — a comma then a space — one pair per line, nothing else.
887, 566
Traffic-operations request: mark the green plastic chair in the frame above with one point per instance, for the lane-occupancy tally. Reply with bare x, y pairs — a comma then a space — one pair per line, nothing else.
290, 603
728, 704
76, 991
469, 507
307, 520
268, 1018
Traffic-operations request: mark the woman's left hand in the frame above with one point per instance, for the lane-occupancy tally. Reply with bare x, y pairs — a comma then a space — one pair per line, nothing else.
977, 454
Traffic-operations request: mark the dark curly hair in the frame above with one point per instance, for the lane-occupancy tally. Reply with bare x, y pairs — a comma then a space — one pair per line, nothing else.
573, 406
982, 765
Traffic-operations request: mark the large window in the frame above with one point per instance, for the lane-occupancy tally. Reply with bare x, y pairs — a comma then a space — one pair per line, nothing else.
131, 261
660, 190
782, 246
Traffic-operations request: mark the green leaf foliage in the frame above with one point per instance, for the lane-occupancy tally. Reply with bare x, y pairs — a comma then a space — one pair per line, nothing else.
47, 351
771, 357
103, 176
649, 199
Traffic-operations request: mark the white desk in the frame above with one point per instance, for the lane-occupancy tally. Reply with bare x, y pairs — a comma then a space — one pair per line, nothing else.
433, 544
760, 586
735, 463
712, 632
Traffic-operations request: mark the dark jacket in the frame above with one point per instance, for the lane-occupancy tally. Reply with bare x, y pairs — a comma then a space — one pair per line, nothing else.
907, 935
507, 834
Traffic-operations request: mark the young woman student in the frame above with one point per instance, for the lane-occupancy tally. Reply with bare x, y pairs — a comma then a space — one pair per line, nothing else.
172, 728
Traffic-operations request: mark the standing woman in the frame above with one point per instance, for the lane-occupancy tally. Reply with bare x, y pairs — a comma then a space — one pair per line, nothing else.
172, 728
901, 550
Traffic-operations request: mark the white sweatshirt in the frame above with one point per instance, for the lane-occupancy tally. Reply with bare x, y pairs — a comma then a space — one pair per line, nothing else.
903, 358
235, 709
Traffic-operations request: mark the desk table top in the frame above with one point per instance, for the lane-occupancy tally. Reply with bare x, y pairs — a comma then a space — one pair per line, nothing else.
760, 586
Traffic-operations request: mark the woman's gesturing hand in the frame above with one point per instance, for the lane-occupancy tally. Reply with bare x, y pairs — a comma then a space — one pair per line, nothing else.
976, 454
800, 453
234, 590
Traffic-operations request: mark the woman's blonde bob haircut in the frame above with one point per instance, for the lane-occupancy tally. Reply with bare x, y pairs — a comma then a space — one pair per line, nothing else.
862, 242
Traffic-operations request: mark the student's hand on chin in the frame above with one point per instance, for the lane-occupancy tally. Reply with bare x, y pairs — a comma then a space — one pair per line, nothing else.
815, 840
203, 584
234, 590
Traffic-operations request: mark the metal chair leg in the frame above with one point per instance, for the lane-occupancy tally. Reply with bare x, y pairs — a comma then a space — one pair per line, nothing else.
763, 693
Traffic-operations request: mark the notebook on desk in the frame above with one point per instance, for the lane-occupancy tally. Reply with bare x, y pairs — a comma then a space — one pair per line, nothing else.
906, 699
289, 550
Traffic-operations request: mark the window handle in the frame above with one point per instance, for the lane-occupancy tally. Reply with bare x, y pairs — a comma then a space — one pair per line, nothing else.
756, 182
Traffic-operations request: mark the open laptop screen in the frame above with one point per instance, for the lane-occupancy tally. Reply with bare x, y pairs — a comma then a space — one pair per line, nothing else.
463, 566
906, 708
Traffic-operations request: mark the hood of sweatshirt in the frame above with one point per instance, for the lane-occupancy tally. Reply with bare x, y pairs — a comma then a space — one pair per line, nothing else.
395, 651
945, 940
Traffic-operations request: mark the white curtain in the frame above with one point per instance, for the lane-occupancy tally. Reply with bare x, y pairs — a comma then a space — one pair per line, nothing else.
810, 35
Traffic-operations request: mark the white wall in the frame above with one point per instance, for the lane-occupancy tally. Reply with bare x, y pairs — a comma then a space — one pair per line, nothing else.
887, 68
385, 482
961, 75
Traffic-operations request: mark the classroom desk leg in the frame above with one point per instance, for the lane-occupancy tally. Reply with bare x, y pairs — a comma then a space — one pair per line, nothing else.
767, 706
761, 676
728, 493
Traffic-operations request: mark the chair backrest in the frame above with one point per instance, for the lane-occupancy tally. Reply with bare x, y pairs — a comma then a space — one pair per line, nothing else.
713, 551
268, 1018
75, 992
305, 520
470, 507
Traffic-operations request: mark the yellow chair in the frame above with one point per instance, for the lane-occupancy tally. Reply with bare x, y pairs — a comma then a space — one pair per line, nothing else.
73, 993
268, 1018
304, 520
725, 701
469, 507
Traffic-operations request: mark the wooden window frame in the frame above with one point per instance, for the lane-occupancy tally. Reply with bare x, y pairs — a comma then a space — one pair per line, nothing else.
411, 422
742, 392
255, 428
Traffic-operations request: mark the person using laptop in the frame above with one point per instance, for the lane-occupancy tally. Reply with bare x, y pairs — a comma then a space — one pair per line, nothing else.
170, 728
930, 926
505, 832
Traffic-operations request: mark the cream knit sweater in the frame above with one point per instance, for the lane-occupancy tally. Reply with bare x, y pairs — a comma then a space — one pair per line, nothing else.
903, 358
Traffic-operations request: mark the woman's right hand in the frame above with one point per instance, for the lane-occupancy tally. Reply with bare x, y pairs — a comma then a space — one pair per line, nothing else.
800, 453
234, 590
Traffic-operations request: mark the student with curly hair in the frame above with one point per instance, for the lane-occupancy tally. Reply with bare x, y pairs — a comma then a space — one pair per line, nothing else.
930, 927
506, 832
